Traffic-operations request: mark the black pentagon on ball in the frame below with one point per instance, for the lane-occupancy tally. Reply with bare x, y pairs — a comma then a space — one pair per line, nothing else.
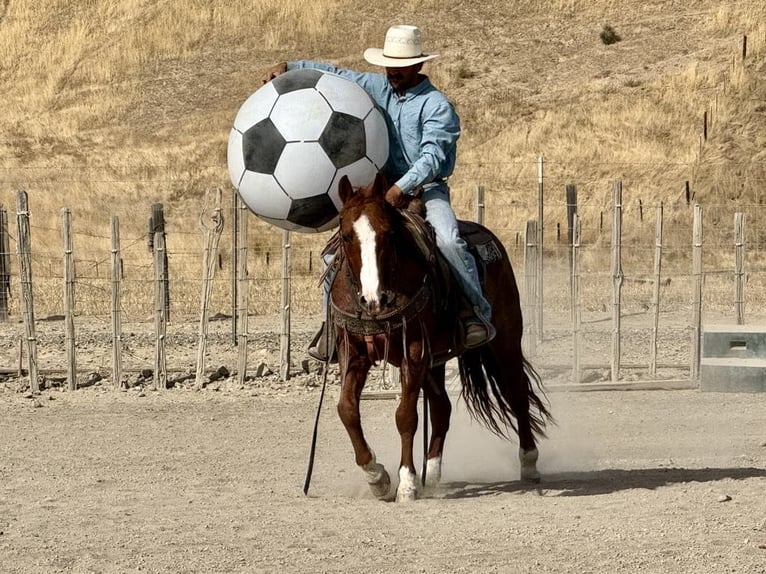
262, 144
343, 139
313, 212
296, 80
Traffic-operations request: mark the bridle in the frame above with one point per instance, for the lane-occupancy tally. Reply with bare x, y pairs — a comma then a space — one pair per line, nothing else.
359, 321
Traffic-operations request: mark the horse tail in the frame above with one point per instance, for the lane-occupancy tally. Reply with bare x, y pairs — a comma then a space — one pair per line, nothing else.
498, 398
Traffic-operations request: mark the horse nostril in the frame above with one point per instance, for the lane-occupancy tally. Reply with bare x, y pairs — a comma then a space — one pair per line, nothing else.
383, 299
362, 300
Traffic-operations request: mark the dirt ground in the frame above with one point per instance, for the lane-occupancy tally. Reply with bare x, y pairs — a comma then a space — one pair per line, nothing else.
137, 480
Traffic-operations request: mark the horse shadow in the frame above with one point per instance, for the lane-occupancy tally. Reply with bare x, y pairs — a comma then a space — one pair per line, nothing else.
607, 481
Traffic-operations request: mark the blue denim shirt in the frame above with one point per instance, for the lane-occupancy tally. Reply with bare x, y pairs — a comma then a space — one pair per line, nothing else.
423, 127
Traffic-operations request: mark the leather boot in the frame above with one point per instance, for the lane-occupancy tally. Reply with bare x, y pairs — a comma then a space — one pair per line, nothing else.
319, 348
478, 331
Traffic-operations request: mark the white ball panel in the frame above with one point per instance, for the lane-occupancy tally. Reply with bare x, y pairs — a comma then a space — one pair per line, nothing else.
304, 170
234, 157
361, 172
256, 107
262, 195
345, 96
376, 133
301, 115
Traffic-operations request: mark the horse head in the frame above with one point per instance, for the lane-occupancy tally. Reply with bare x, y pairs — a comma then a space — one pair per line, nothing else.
372, 238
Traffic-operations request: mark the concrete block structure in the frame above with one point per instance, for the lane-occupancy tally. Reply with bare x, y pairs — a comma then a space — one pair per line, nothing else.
733, 359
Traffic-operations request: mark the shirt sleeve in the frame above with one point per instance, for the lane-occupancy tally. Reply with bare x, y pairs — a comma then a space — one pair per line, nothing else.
438, 142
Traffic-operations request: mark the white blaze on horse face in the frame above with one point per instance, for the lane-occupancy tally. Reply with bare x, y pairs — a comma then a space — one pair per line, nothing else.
368, 276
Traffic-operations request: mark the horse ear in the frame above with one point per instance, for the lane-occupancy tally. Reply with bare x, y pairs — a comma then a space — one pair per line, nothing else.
380, 185
345, 190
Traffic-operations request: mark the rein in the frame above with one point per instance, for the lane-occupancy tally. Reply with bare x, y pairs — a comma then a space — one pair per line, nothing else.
360, 322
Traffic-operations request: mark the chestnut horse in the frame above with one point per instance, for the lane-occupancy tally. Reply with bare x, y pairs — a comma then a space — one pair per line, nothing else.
390, 302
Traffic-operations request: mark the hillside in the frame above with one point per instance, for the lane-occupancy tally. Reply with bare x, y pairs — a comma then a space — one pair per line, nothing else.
111, 106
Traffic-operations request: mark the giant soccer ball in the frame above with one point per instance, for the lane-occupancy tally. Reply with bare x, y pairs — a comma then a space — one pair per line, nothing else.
295, 138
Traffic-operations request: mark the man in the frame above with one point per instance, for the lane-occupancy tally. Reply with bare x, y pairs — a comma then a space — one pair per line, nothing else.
423, 132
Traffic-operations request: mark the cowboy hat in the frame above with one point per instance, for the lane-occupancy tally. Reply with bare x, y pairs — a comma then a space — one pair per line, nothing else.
403, 47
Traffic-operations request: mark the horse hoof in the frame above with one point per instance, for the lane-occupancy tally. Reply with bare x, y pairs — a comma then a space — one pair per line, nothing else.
408, 486
528, 459
530, 475
377, 478
433, 472
381, 487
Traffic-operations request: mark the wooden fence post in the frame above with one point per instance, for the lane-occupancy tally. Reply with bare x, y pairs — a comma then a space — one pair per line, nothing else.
617, 276
24, 250
656, 289
576, 312
236, 204
739, 267
696, 326
209, 260
284, 366
571, 197
160, 309
157, 226
540, 243
480, 204
242, 293
5, 265
530, 288
69, 337
116, 304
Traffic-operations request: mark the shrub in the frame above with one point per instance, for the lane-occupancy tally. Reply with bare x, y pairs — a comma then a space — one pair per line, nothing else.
609, 35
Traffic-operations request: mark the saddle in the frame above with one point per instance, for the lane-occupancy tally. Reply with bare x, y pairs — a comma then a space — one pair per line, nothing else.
449, 298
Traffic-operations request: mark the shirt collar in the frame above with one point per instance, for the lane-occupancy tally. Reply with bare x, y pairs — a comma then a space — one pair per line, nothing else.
423, 86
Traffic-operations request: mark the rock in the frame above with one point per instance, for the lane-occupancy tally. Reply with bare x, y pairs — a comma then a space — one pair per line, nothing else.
220, 373
724, 498
91, 380
263, 370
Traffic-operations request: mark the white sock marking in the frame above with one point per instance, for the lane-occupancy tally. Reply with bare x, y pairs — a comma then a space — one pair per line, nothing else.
433, 471
369, 273
408, 485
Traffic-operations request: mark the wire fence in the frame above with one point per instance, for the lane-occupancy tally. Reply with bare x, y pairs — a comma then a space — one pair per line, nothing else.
265, 280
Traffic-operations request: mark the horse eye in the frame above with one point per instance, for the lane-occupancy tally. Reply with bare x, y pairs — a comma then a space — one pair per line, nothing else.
346, 237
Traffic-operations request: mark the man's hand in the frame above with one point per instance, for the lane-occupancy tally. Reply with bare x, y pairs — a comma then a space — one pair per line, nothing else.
395, 196
273, 72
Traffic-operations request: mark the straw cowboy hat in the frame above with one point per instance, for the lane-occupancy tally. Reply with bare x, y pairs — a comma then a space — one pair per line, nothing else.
403, 47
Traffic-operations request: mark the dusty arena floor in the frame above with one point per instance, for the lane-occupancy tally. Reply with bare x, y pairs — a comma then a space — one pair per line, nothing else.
184, 481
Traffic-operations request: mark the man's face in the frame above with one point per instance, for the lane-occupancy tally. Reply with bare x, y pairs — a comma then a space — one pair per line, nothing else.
402, 79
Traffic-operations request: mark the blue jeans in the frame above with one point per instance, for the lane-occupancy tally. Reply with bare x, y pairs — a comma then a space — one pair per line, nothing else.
442, 218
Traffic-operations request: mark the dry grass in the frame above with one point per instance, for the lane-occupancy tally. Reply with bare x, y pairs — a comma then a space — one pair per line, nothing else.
112, 106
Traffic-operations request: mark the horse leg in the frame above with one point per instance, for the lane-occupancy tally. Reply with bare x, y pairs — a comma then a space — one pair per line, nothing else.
407, 423
348, 410
528, 453
506, 360
440, 410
